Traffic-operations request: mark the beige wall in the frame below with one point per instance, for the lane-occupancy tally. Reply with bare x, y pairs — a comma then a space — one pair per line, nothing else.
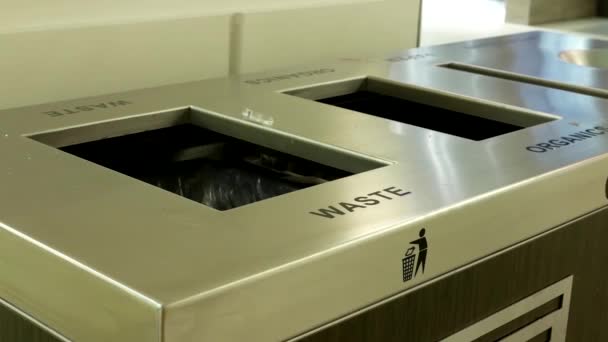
36, 14
63, 49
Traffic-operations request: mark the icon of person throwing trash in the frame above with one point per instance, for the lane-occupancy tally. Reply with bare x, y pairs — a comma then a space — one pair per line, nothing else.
422, 249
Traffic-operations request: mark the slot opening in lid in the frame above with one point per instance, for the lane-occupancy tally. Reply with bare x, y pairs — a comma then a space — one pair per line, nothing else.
422, 107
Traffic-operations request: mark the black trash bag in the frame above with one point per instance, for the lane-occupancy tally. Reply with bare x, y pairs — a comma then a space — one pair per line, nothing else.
221, 185
206, 167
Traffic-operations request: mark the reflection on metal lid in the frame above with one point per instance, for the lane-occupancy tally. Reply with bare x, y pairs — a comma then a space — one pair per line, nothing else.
597, 58
258, 117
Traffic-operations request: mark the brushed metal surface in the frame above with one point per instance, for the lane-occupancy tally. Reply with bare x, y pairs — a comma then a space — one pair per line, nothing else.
459, 300
17, 326
153, 266
597, 58
535, 54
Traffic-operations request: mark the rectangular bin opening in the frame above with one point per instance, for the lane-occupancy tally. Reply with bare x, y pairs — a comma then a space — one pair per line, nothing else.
203, 165
426, 108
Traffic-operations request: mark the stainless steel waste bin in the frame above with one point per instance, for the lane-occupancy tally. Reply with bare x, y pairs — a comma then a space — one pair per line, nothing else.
452, 193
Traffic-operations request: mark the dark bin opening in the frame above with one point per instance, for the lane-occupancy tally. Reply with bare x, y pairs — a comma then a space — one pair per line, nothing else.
421, 115
429, 108
216, 170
